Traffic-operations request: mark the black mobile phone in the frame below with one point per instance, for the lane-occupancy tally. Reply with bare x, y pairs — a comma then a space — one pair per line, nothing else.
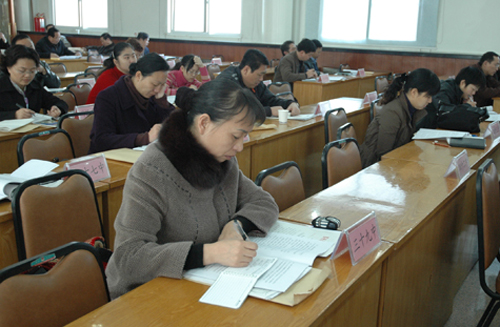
327, 222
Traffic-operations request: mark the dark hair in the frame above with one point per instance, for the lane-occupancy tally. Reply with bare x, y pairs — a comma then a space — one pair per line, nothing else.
421, 79
52, 32
306, 45
187, 62
149, 64
47, 27
135, 44
117, 50
317, 43
285, 46
19, 37
106, 36
488, 56
142, 36
16, 52
471, 75
221, 99
253, 58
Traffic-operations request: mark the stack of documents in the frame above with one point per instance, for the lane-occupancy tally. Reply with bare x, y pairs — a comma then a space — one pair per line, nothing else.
435, 134
12, 124
284, 256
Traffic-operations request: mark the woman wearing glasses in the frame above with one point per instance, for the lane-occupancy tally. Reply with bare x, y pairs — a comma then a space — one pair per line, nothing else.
20, 95
186, 75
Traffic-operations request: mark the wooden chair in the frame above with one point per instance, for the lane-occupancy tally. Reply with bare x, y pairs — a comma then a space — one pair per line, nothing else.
48, 217
488, 230
67, 97
287, 189
75, 286
375, 109
213, 70
84, 77
94, 69
57, 147
58, 67
346, 131
78, 130
339, 160
381, 84
281, 90
80, 91
333, 120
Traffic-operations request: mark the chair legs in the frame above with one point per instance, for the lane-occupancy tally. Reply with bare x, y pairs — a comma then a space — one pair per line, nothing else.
489, 313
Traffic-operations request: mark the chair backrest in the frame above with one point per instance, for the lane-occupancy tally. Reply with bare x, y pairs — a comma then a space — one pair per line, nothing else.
274, 62
85, 77
235, 63
80, 91
375, 108
94, 69
78, 130
48, 217
212, 70
57, 147
58, 67
95, 58
287, 189
381, 84
75, 286
346, 131
488, 219
340, 159
67, 97
333, 120
279, 87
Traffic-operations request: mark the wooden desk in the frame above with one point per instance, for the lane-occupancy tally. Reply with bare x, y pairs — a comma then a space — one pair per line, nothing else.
353, 87
496, 104
425, 216
171, 302
68, 78
8, 148
72, 65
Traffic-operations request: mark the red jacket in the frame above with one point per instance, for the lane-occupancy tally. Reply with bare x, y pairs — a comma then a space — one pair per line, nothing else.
106, 79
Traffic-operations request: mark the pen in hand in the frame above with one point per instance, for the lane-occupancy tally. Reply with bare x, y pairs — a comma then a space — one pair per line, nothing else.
241, 231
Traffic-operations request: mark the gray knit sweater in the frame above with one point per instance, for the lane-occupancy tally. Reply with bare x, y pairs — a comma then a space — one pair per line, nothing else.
162, 215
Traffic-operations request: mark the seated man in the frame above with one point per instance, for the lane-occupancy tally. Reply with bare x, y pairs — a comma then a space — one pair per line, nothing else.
63, 38
292, 68
250, 74
312, 63
107, 45
488, 64
288, 47
51, 46
45, 76
454, 91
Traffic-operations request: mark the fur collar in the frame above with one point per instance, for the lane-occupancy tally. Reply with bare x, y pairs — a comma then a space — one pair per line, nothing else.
190, 159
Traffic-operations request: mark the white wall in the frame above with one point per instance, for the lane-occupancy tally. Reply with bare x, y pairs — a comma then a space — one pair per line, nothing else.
464, 27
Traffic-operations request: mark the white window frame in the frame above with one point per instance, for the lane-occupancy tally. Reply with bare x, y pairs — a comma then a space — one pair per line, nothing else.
79, 29
199, 35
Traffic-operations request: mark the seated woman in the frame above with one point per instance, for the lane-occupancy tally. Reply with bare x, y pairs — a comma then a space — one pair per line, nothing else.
129, 113
403, 105
138, 49
21, 96
183, 194
190, 65
115, 67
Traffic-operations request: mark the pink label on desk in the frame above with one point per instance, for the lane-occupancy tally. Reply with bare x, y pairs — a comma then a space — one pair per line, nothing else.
217, 61
96, 167
361, 72
324, 78
171, 63
370, 97
322, 108
493, 130
459, 164
84, 108
267, 82
363, 237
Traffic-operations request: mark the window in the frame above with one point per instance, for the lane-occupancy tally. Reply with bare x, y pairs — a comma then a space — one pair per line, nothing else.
408, 22
84, 14
206, 16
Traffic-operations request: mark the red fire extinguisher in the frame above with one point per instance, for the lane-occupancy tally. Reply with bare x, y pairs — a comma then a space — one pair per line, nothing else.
37, 23
42, 22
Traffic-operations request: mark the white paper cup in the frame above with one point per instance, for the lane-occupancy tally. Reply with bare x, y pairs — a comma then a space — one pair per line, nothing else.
283, 116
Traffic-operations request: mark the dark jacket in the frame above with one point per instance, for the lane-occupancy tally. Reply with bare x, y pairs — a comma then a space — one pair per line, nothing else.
50, 79
449, 93
485, 94
390, 129
118, 120
38, 98
290, 69
44, 48
312, 64
266, 97
4, 45
103, 50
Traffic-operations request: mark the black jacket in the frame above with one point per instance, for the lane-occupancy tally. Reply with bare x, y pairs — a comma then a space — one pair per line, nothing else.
44, 48
266, 97
50, 79
38, 98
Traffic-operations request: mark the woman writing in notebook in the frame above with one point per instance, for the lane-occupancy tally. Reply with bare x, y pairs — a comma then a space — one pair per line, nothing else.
115, 67
403, 105
20, 94
184, 194
190, 66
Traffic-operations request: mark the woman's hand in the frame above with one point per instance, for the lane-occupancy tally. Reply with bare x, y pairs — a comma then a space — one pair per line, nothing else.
24, 113
198, 62
54, 112
154, 132
231, 253
161, 92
